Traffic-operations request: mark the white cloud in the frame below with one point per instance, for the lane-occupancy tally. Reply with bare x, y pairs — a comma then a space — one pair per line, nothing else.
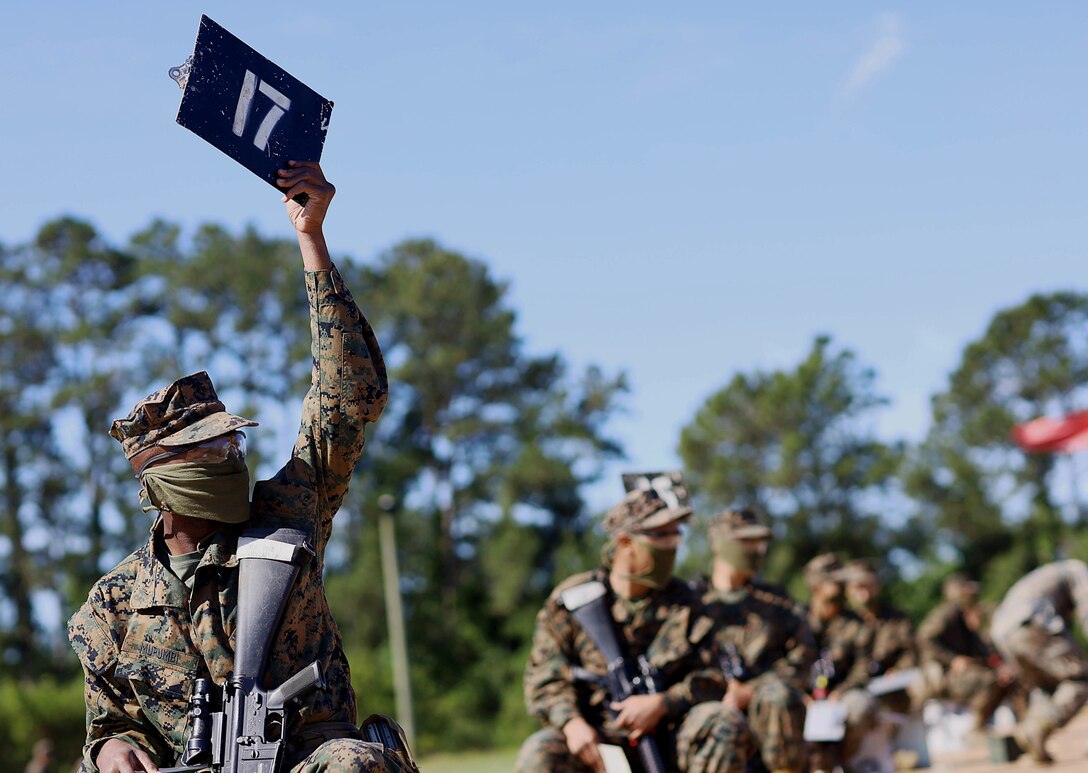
878, 57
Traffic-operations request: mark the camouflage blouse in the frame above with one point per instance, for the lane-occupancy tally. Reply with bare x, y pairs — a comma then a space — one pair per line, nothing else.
768, 629
143, 638
665, 626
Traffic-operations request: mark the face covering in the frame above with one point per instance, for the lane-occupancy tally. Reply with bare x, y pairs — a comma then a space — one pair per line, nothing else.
216, 492
733, 553
657, 576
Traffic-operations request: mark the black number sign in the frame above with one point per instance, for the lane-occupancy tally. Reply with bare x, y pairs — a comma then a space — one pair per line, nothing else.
248, 107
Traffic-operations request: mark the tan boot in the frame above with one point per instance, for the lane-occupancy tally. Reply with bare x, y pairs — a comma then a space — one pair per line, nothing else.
1031, 736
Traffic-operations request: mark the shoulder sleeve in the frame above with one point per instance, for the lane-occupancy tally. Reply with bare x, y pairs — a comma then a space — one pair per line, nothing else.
549, 685
348, 389
931, 635
1079, 592
800, 649
700, 674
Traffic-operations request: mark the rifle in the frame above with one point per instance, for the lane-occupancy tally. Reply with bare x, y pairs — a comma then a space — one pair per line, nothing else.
732, 664
589, 605
246, 733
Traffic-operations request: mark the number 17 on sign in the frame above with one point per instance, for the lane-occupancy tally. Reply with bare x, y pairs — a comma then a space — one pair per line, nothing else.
251, 84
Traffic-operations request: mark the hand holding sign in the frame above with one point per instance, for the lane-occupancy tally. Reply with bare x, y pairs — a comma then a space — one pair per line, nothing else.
305, 179
250, 108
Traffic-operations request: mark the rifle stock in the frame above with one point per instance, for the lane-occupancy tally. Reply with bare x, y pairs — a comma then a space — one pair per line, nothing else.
247, 733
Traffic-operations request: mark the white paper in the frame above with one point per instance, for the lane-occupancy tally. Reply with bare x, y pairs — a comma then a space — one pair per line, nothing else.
825, 721
615, 761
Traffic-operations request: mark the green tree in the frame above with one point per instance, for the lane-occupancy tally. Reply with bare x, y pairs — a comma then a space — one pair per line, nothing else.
992, 503
486, 449
798, 445
32, 479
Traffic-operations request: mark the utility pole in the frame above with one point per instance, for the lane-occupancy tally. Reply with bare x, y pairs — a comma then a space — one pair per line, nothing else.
394, 615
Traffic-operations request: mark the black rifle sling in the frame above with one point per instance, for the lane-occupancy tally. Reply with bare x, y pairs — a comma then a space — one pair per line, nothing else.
268, 562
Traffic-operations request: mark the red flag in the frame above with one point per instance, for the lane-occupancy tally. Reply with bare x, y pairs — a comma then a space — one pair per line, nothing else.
1047, 435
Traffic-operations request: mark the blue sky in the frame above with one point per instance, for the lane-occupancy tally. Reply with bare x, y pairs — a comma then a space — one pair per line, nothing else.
678, 190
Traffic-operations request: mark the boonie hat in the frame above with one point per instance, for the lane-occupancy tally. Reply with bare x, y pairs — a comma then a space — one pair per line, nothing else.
740, 524
822, 568
860, 570
959, 587
185, 412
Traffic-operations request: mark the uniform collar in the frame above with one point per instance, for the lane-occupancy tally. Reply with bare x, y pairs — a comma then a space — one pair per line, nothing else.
157, 586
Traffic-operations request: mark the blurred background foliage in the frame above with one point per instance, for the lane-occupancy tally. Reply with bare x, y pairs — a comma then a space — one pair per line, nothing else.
486, 452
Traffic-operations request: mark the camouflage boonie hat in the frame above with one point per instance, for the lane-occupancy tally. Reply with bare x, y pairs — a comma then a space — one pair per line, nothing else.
860, 570
959, 587
822, 568
740, 524
187, 411
642, 511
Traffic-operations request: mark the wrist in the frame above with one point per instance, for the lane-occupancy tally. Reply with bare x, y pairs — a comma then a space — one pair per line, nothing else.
315, 253
572, 723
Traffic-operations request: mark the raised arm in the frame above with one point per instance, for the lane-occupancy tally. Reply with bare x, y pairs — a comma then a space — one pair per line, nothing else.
348, 384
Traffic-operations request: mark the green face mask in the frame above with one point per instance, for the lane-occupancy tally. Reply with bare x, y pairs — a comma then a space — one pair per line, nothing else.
215, 492
657, 576
734, 554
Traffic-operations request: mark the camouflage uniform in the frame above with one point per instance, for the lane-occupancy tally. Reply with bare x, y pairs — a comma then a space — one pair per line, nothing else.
699, 734
143, 637
891, 632
892, 639
777, 648
844, 642
943, 635
1032, 628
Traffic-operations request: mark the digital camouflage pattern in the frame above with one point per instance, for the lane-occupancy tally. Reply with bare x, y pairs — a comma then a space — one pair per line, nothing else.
709, 739
1060, 588
668, 629
187, 411
1033, 629
944, 635
142, 638
643, 510
739, 524
892, 636
847, 641
777, 647
346, 755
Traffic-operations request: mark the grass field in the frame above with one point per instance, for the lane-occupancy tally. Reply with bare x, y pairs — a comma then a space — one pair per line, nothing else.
470, 762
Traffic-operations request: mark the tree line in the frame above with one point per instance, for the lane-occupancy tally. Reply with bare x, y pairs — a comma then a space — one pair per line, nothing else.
485, 452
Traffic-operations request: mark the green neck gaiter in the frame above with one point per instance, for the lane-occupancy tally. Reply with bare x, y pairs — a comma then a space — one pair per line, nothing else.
657, 576
865, 610
734, 554
215, 492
